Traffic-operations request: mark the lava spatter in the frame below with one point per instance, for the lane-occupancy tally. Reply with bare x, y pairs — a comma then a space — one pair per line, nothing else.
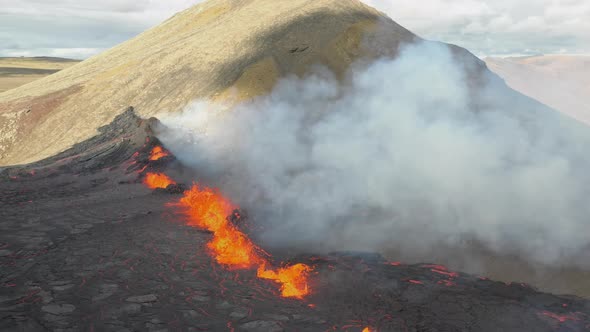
158, 153
157, 180
293, 279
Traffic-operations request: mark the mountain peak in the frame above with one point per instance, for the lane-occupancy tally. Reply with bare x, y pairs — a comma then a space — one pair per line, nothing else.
218, 49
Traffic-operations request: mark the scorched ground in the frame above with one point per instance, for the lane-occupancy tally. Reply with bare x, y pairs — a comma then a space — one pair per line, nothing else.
113, 235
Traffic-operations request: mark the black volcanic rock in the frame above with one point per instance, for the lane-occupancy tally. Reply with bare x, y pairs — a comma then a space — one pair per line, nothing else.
80, 252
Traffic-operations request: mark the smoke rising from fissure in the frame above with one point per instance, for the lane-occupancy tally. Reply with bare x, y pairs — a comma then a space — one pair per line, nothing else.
409, 153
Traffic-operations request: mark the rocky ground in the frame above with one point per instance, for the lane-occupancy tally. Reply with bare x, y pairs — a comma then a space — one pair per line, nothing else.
85, 246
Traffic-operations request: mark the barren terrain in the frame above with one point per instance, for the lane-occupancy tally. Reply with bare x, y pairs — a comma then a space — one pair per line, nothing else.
86, 246
15, 72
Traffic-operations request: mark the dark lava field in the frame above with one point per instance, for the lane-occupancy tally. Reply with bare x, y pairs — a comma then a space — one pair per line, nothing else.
85, 245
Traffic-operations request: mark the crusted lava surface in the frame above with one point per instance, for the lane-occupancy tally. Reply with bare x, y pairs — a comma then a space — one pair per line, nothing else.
86, 246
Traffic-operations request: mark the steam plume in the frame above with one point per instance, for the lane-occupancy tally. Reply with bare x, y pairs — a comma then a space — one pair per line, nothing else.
406, 154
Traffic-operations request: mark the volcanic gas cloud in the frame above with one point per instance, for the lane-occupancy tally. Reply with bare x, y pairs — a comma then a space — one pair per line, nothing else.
405, 157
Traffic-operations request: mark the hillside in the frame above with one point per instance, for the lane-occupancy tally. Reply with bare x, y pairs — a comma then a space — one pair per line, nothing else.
559, 81
15, 72
191, 55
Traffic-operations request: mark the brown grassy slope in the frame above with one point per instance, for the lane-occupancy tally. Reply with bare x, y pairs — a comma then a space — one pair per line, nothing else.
200, 52
15, 72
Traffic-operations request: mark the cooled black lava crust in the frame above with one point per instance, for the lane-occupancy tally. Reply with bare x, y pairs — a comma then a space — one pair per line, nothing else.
85, 246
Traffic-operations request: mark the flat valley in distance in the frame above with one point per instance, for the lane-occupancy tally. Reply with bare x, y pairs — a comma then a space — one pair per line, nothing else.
17, 71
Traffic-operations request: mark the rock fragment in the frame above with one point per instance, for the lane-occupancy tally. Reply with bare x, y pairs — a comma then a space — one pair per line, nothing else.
58, 309
261, 326
143, 298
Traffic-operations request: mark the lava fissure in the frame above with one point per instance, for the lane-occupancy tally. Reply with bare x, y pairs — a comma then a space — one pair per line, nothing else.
206, 208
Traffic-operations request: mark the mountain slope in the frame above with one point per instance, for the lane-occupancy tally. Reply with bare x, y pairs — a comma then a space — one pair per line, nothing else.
200, 52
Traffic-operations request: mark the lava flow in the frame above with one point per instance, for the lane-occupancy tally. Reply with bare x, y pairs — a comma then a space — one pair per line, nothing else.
158, 153
157, 180
293, 279
207, 208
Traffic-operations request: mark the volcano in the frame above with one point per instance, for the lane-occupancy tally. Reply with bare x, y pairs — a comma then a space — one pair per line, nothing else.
104, 228
189, 56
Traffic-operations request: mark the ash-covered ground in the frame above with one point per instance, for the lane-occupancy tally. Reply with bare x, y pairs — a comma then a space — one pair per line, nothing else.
85, 246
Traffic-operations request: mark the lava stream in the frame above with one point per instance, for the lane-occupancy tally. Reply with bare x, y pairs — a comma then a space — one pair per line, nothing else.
207, 208
158, 153
293, 279
157, 180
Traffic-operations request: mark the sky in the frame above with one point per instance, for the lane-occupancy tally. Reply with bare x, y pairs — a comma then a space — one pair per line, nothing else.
82, 28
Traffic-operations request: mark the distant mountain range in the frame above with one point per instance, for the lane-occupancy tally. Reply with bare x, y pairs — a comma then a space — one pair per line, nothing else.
559, 81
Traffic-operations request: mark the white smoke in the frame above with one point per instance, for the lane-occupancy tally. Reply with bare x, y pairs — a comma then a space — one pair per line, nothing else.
406, 155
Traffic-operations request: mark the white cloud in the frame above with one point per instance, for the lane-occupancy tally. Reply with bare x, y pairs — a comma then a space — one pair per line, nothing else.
497, 27
485, 27
415, 163
77, 29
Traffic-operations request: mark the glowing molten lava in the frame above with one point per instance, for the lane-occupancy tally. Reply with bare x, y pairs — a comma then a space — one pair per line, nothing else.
208, 209
158, 153
157, 180
367, 329
293, 279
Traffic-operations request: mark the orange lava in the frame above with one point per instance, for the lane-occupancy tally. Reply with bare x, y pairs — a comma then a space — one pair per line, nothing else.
367, 329
157, 180
158, 153
293, 279
208, 209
